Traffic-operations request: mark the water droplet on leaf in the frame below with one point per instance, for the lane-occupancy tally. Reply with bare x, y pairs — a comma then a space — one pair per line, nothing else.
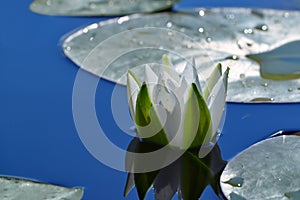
208, 39
201, 30
85, 30
248, 31
169, 24
201, 13
262, 27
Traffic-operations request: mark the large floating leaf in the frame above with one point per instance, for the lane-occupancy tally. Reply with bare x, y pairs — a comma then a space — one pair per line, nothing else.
98, 7
16, 189
267, 170
220, 35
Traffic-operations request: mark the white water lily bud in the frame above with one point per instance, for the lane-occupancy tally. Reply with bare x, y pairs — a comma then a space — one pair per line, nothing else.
171, 108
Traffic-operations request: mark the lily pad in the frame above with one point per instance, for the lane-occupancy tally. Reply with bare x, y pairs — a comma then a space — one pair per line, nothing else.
267, 170
99, 7
220, 35
16, 188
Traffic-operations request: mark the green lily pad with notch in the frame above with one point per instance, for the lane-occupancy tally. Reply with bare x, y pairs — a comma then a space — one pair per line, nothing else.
110, 48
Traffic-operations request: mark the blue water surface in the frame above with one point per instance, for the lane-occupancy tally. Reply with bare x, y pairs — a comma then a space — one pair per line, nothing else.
38, 138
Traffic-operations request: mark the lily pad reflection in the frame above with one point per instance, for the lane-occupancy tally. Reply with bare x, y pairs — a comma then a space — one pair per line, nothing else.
269, 170
234, 37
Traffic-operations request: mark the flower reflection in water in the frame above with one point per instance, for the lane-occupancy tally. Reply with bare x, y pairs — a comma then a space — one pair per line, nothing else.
188, 176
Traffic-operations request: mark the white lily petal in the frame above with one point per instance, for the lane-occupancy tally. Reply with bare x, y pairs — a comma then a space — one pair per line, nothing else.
182, 91
216, 102
166, 61
213, 78
150, 78
133, 87
190, 73
167, 107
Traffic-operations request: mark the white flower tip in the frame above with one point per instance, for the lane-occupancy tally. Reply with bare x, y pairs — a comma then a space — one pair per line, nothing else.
150, 76
132, 79
166, 61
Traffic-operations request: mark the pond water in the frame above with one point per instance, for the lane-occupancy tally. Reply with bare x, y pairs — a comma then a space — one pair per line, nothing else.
38, 137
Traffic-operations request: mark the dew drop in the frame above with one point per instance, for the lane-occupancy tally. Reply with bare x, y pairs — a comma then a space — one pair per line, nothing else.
262, 27
93, 26
265, 84
201, 13
230, 16
286, 15
68, 48
208, 39
248, 31
201, 30
233, 57
283, 141
141, 43
169, 24
290, 90
91, 38
235, 182
85, 30
121, 20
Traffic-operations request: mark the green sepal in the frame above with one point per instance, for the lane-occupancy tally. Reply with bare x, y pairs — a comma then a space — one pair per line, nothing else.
145, 112
196, 109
